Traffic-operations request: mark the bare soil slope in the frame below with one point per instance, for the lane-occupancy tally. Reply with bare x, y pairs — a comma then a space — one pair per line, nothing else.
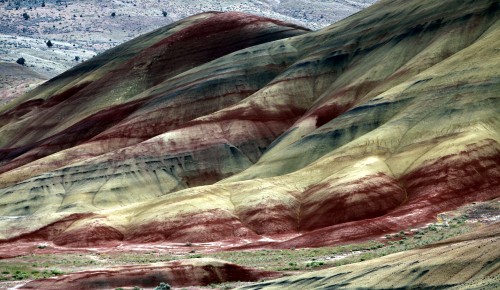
467, 262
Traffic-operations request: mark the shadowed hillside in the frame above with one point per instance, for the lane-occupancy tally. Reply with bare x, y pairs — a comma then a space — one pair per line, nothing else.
228, 127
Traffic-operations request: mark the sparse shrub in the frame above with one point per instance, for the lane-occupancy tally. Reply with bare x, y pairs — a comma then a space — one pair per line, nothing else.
21, 61
314, 264
19, 275
113, 14
49, 44
56, 272
163, 286
26, 16
164, 13
77, 58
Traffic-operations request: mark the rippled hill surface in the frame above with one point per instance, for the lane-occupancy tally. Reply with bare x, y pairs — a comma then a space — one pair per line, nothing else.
229, 127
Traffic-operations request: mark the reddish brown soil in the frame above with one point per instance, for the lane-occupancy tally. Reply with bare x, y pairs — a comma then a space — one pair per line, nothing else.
267, 219
364, 199
216, 225
439, 186
50, 231
177, 274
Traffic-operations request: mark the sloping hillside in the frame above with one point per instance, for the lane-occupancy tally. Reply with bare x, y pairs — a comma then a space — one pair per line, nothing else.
469, 262
16, 80
81, 29
232, 127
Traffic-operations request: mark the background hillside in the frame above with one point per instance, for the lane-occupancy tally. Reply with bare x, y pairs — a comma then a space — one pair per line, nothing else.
81, 29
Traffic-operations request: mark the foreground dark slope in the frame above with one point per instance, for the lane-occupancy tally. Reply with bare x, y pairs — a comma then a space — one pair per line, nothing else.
467, 262
370, 126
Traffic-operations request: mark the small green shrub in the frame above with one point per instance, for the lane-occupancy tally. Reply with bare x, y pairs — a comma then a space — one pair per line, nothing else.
314, 264
20, 275
56, 272
163, 286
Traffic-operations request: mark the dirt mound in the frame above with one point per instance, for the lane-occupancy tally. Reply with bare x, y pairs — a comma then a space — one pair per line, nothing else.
194, 272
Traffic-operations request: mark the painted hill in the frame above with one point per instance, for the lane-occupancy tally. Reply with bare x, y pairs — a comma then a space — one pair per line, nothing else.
233, 128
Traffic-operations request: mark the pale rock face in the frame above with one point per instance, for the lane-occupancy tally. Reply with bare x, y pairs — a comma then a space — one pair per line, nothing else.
231, 126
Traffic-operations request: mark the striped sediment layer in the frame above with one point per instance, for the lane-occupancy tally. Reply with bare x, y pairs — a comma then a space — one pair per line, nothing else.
227, 126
